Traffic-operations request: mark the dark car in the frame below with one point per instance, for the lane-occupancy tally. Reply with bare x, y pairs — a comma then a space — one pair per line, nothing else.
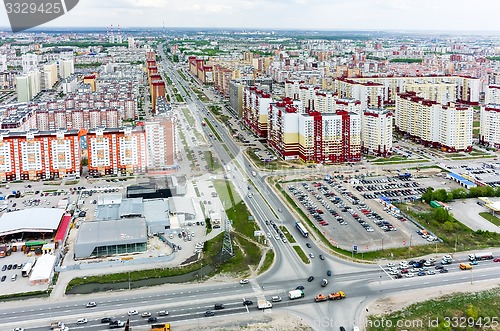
310, 279
152, 320
443, 271
209, 313
247, 303
300, 287
439, 267
82, 214
106, 319
398, 276
218, 306
3, 278
328, 272
9, 267
14, 266
342, 328
308, 245
321, 257
4, 267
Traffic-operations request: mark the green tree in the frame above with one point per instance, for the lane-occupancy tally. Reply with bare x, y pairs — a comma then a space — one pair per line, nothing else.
427, 196
472, 312
459, 193
440, 195
441, 215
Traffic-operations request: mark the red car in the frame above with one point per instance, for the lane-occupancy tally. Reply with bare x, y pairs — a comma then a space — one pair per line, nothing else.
497, 259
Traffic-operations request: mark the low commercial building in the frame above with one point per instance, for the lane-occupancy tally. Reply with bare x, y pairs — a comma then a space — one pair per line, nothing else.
113, 237
43, 270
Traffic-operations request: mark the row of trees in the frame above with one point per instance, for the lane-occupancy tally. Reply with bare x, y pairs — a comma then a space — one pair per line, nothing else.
459, 193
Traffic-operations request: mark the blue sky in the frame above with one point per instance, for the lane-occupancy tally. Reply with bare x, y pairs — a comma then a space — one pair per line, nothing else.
465, 15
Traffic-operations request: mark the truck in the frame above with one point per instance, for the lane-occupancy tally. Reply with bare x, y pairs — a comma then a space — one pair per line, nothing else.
465, 266
295, 294
264, 304
336, 295
58, 326
481, 256
320, 297
160, 327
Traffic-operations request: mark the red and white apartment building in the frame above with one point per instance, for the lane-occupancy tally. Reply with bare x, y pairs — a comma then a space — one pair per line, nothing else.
37, 154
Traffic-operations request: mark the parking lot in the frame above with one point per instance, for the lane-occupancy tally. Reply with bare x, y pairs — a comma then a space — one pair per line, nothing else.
396, 189
350, 220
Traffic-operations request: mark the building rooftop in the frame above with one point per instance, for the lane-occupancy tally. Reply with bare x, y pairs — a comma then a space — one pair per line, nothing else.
31, 220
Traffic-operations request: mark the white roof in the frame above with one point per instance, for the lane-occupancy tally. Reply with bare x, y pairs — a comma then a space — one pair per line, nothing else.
31, 220
43, 267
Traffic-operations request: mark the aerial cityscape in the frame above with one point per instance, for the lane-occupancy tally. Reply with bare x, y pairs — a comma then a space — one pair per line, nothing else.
227, 173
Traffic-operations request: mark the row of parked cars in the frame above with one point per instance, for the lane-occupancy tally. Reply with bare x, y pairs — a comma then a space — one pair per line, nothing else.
395, 188
418, 268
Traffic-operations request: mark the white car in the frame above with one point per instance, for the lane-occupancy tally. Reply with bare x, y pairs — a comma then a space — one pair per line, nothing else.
146, 314
276, 299
132, 312
311, 255
18, 329
244, 281
390, 265
409, 275
81, 321
91, 304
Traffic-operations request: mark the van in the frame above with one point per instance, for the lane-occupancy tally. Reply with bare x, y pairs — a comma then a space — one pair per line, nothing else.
14, 277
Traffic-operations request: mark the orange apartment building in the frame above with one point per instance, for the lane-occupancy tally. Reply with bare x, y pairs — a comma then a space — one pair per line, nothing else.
116, 151
37, 154
156, 83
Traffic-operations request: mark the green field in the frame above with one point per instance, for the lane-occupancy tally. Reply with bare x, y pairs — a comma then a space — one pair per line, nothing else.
492, 218
301, 254
464, 311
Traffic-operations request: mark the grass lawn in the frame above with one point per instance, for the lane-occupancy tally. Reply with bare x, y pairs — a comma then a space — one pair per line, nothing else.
236, 210
493, 219
301, 254
213, 164
268, 261
441, 313
188, 116
287, 234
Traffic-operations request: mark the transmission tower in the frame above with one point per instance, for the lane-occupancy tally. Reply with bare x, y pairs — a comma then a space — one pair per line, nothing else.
227, 244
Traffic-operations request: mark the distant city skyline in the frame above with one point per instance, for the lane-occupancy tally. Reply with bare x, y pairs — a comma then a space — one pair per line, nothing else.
406, 15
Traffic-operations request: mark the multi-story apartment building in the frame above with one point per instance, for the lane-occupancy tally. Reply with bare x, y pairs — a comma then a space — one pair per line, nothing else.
376, 132
283, 128
448, 127
156, 83
440, 92
161, 144
28, 85
329, 137
255, 109
369, 93
467, 88
116, 150
492, 94
311, 136
37, 154
490, 125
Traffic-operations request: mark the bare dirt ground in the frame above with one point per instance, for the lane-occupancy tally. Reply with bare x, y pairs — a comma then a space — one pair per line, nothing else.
277, 321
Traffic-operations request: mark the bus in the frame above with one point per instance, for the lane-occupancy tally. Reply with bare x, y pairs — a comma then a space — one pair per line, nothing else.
302, 229
25, 272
